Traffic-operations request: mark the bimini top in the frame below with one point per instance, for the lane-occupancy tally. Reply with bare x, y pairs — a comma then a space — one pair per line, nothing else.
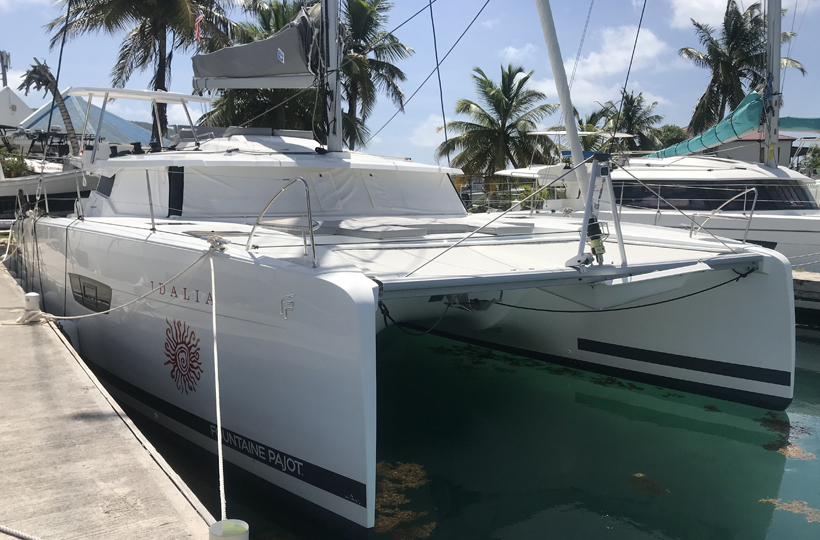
138, 95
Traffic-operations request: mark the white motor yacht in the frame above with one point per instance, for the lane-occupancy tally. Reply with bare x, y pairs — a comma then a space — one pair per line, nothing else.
284, 261
744, 201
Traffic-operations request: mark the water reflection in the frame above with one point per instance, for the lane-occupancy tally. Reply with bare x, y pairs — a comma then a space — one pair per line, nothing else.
478, 444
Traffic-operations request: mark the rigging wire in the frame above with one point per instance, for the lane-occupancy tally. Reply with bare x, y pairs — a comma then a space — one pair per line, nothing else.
581, 45
432, 72
438, 73
626, 81
791, 41
56, 91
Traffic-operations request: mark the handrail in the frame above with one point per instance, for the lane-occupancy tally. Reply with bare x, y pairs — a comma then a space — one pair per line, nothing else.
694, 230
309, 216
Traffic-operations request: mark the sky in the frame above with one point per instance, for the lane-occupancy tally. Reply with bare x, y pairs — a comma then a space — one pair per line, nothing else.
507, 31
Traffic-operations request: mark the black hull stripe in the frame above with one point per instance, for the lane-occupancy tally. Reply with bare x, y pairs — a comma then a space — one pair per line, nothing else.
737, 371
755, 399
324, 479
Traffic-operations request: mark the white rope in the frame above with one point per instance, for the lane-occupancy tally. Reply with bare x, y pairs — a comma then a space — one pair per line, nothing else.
805, 264
17, 534
218, 403
50, 317
804, 256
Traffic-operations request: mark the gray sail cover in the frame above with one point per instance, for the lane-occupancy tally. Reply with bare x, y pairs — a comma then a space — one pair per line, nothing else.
280, 61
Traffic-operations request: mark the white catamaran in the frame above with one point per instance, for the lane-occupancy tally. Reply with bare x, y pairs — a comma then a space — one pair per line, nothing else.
317, 250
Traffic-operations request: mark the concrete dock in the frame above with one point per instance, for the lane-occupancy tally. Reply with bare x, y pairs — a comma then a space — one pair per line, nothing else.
72, 464
807, 289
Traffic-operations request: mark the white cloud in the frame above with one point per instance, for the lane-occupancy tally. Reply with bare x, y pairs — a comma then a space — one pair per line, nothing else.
490, 23
15, 78
599, 75
128, 110
704, 11
176, 114
426, 134
141, 111
616, 50
586, 93
516, 54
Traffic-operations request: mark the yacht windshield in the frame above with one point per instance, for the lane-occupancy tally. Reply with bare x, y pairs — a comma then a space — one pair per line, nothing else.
779, 195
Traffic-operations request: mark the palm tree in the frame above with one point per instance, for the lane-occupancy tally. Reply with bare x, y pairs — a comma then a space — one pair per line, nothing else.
368, 67
155, 29
736, 59
637, 119
498, 131
594, 121
39, 76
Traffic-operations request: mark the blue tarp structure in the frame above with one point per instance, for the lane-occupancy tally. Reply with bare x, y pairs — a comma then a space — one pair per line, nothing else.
745, 118
114, 128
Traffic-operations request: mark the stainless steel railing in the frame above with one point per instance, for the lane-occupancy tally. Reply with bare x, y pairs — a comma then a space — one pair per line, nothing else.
308, 230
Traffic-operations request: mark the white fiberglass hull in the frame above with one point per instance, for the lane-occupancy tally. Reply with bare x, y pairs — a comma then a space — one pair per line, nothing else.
297, 345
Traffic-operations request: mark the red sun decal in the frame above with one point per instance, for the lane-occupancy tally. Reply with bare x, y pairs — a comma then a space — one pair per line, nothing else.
182, 350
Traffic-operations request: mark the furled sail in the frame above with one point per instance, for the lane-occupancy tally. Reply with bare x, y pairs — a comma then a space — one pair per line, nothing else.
740, 122
794, 123
280, 61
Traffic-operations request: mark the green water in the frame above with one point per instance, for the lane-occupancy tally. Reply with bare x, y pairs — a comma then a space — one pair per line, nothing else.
478, 444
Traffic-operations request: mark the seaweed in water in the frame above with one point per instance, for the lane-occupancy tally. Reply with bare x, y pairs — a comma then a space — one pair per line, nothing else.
613, 381
796, 507
391, 494
466, 356
643, 485
788, 432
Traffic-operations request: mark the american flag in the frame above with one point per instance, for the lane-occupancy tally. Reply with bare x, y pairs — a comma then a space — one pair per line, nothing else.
198, 26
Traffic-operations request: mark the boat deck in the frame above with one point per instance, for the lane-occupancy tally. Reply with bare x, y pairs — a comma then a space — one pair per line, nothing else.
73, 464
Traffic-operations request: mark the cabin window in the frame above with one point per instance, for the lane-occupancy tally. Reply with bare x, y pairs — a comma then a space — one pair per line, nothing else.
90, 293
105, 185
176, 190
782, 195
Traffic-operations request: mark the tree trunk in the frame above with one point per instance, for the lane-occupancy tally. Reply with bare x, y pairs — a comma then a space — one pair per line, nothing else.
509, 154
352, 102
723, 100
69, 128
160, 84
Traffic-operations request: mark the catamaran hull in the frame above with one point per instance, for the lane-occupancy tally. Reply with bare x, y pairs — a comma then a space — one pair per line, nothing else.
297, 346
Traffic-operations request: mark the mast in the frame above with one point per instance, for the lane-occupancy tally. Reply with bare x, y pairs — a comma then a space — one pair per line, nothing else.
774, 99
548, 27
334, 104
